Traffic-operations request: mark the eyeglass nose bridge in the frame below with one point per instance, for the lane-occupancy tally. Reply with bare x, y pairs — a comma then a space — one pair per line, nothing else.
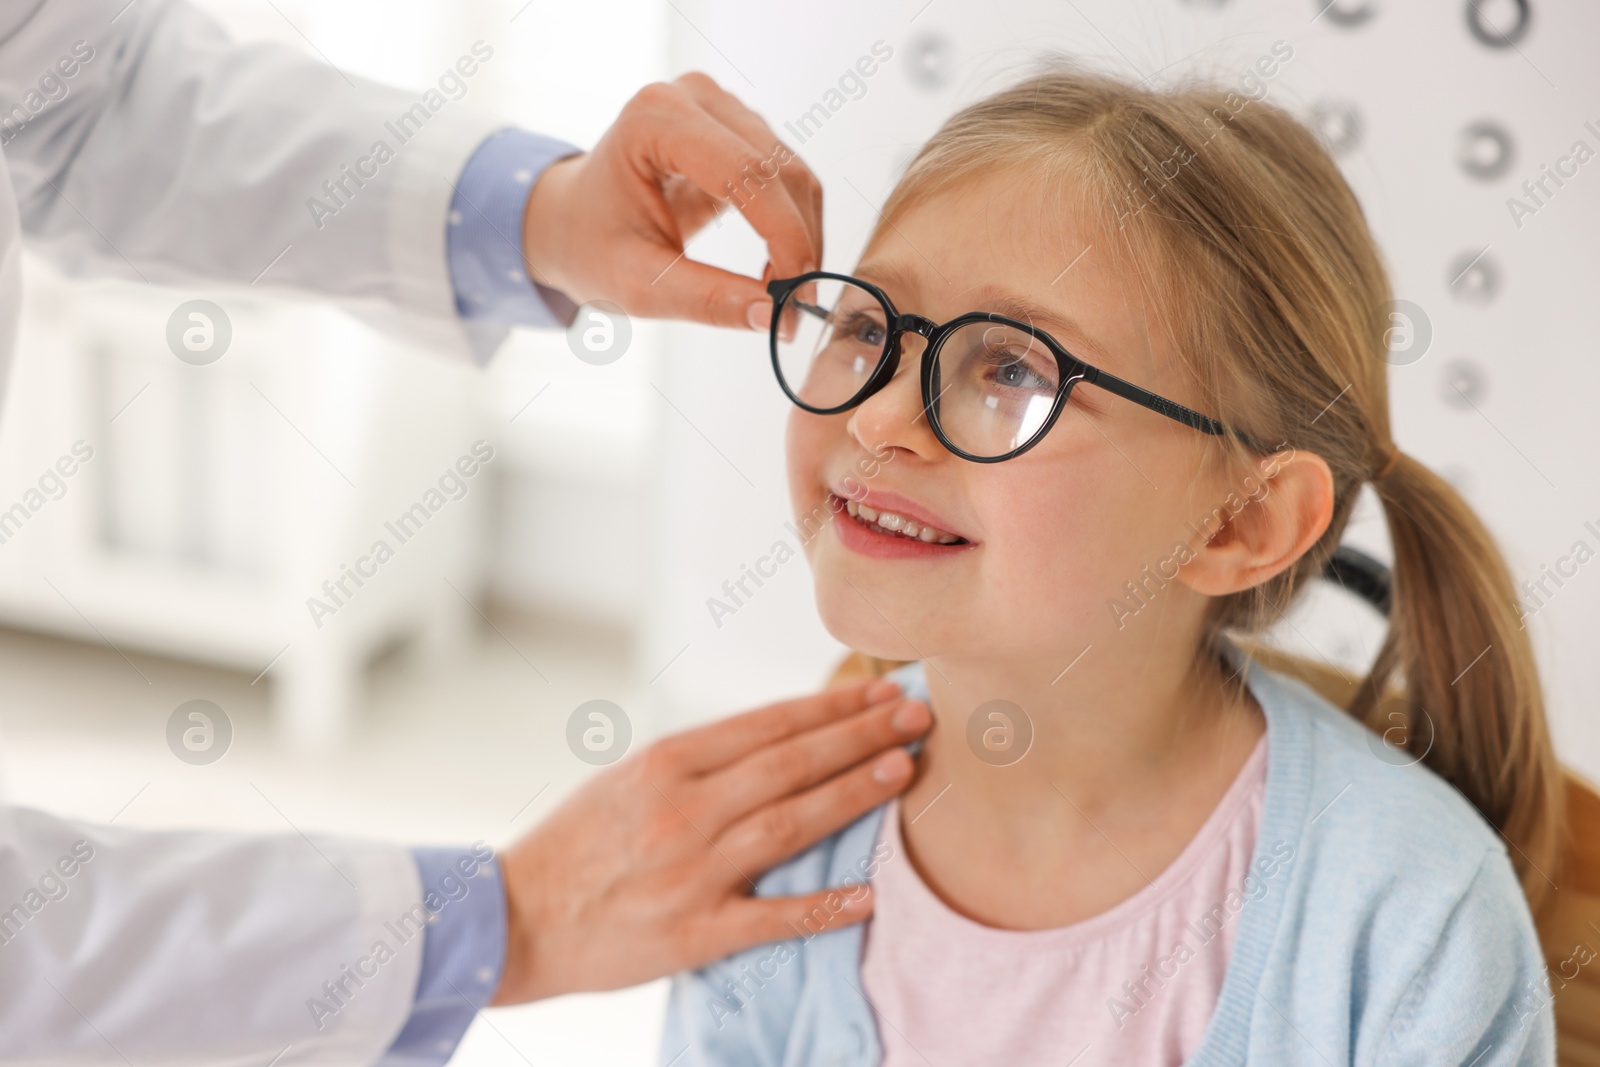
917, 324
884, 373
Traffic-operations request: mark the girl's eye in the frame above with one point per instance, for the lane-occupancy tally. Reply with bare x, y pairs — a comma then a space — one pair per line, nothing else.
1010, 370
862, 329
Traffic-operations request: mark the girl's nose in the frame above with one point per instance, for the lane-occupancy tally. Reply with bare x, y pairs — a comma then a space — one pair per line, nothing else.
894, 415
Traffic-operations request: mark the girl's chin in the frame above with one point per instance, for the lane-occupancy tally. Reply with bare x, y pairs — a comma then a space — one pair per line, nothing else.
856, 624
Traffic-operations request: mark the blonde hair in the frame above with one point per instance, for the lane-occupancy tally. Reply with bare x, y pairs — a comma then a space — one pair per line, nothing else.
1278, 300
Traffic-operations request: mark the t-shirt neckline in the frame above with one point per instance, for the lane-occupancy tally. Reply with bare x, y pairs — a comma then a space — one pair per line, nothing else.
1250, 778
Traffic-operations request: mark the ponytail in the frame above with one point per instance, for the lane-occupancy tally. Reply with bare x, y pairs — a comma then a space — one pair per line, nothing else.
1459, 653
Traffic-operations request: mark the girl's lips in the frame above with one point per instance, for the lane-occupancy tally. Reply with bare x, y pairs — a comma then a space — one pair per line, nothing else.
868, 540
902, 509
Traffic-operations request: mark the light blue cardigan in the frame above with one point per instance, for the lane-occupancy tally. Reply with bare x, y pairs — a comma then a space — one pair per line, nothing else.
1395, 934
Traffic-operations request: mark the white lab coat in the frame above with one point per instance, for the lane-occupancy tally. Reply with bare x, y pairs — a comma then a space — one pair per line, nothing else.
173, 156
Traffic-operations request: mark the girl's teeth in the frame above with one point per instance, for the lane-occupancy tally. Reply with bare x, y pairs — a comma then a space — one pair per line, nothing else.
890, 522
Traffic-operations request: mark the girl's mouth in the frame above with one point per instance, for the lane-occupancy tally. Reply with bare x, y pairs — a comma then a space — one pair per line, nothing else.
888, 534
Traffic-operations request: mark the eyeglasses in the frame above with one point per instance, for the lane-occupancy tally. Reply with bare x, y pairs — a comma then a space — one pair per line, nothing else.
991, 386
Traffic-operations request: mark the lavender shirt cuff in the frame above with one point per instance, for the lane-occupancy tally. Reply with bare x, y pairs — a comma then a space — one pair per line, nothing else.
463, 952
484, 241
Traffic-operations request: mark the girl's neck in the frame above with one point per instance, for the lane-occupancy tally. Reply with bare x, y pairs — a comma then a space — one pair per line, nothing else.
1127, 761
1100, 730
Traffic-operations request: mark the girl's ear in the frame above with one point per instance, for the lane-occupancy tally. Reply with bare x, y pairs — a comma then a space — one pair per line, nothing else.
1284, 510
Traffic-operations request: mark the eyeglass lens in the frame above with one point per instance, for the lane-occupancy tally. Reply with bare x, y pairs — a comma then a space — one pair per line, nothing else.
832, 336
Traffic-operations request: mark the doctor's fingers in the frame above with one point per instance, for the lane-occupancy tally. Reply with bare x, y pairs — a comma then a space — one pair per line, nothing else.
676, 135
708, 748
782, 770
780, 162
690, 206
760, 920
699, 292
779, 830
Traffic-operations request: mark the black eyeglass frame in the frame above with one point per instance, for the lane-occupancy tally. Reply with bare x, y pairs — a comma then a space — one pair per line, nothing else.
1073, 369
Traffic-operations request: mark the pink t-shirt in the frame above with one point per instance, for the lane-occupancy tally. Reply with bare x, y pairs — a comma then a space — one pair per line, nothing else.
1134, 984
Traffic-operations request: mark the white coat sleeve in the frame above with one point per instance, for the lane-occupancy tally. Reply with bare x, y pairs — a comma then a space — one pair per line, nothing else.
172, 155
123, 946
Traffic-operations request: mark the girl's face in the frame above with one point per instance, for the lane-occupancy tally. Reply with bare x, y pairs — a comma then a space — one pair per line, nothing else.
1048, 538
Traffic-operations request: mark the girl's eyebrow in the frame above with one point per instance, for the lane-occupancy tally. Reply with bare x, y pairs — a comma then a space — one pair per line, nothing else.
1014, 306
900, 285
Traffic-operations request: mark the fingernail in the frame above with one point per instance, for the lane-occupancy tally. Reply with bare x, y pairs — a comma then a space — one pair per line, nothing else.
882, 690
759, 315
891, 767
912, 718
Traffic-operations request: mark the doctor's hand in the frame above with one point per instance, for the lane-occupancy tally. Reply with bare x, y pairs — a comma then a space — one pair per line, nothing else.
648, 868
612, 223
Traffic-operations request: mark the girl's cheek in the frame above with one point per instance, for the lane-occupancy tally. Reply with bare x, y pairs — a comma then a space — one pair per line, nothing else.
796, 455
1052, 538
806, 439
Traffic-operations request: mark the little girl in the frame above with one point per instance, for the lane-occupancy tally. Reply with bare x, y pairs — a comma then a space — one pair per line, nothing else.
1116, 355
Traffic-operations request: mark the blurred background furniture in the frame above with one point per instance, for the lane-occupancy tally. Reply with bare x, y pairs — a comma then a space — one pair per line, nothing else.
219, 499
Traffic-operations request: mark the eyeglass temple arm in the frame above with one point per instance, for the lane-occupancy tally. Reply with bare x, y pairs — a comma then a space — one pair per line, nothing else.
1162, 406
1366, 577
779, 288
